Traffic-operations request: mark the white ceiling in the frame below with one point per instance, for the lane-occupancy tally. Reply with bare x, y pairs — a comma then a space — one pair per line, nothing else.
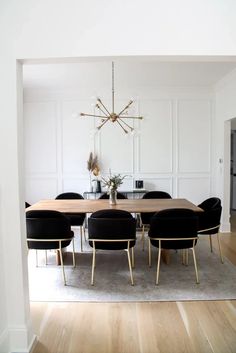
127, 73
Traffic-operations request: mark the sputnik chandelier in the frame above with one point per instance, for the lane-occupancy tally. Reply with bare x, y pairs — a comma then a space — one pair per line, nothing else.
105, 115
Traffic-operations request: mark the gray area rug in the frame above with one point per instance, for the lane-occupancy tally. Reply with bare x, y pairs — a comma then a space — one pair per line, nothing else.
112, 280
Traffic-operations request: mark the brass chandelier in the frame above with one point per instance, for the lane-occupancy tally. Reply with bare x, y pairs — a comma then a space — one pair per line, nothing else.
105, 115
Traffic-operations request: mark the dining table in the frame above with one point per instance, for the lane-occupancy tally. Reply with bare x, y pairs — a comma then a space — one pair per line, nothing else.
131, 205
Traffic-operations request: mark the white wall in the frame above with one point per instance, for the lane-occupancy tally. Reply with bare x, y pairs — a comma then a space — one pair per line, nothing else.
52, 29
3, 310
164, 153
225, 111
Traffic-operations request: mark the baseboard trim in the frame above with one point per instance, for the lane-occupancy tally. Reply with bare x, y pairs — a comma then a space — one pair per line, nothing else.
19, 341
4, 341
33, 344
225, 227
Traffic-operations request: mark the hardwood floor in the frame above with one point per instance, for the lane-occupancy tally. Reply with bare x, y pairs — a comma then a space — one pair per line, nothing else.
147, 327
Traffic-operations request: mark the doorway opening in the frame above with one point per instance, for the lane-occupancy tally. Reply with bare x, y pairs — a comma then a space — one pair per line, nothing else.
233, 174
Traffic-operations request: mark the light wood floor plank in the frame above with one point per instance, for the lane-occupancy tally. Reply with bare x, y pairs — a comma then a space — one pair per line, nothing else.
135, 327
193, 327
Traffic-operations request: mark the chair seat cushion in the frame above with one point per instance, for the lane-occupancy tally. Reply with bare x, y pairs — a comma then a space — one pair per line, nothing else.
146, 217
172, 244
209, 219
46, 245
76, 219
112, 245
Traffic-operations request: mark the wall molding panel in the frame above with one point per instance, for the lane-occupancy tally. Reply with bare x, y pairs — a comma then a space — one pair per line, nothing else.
170, 150
196, 188
155, 154
194, 136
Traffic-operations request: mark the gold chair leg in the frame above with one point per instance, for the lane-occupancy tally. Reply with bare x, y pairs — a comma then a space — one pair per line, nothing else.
62, 264
130, 267
73, 253
132, 256
81, 238
158, 263
143, 233
149, 253
84, 233
221, 256
186, 257
210, 239
46, 257
93, 264
195, 265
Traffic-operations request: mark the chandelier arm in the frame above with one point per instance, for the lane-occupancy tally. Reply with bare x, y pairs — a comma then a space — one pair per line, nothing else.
104, 122
104, 112
130, 127
122, 127
131, 117
93, 115
99, 101
127, 106
113, 90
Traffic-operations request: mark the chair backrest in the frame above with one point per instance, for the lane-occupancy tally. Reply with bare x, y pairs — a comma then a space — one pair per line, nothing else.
112, 225
45, 224
174, 223
156, 195
209, 220
210, 203
119, 196
69, 196
146, 217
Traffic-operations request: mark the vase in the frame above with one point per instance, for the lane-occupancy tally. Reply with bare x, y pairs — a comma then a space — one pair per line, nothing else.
98, 186
112, 197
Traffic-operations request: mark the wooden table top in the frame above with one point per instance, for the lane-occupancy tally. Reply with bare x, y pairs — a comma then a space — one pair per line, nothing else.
130, 205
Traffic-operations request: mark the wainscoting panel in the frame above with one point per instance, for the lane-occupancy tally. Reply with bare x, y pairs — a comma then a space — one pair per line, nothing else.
195, 189
77, 136
40, 188
169, 151
76, 184
194, 136
160, 184
115, 147
40, 137
155, 139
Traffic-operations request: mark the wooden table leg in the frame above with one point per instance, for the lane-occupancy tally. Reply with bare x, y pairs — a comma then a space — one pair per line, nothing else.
165, 255
58, 260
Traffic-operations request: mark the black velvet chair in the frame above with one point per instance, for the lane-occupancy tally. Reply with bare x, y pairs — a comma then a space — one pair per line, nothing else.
209, 220
119, 196
49, 230
174, 228
76, 219
112, 230
146, 217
